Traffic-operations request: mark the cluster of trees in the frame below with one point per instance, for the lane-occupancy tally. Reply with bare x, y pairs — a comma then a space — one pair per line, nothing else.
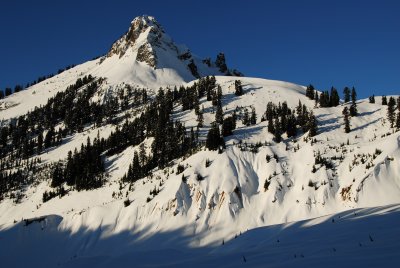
332, 99
281, 119
171, 139
8, 90
391, 112
352, 111
18, 174
84, 169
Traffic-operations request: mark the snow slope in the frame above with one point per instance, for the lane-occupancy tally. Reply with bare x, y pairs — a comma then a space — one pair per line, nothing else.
355, 238
231, 199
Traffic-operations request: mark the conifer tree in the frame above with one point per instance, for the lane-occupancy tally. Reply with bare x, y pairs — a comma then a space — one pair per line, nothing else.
214, 139
334, 98
372, 99
271, 128
40, 143
253, 117
391, 111
346, 119
312, 125
316, 98
219, 114
246, 119
384, 100
346, 92
353, 107
277, 131
310, 92
238, 88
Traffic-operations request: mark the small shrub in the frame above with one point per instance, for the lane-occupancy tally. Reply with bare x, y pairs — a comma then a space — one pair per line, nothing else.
127, 202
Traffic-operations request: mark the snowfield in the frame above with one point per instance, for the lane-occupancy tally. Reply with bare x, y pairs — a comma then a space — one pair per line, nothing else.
347, 215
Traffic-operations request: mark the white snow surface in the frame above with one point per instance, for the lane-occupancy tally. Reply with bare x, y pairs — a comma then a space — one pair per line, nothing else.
94, 228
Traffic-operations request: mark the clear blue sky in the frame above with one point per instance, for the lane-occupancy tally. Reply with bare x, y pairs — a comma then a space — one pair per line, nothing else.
320, 42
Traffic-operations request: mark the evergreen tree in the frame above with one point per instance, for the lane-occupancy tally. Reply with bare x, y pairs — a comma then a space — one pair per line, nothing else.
391, 111
384, 100
353, 107
346, 93
214, 139
334, 98
291, 129
219, 115
372, 99
316, 98
398, 121
310, 92
238, 88
312, 125
346, 120
253, 117
1, 94
228, 126
200, 119
40, 143
277, 131
220, 63
8, 91
18, 88
246, 119
48, 140
271, 128
57, 176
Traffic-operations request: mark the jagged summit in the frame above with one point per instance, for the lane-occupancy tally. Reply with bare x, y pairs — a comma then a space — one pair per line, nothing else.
143, 33
147, 43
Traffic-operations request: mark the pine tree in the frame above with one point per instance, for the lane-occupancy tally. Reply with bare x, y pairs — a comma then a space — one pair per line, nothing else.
346, 92
346, 120
253, 117
200, 119
312, 125
277, 131
353, 107
291, 130
310, 92
219, 115
384, 100
398, 121
316, 98
391, 111
214, 139
228, 126
48, 140
40, 143
8, 91
334, 98
238, 88
246, 119
372, 99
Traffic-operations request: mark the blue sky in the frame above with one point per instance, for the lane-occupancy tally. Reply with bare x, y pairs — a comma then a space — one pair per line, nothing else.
326, 43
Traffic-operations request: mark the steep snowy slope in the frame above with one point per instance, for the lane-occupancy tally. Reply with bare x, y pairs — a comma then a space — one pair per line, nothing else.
206, 197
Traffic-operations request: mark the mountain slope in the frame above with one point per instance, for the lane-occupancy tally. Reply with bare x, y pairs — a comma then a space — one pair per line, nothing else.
197, 199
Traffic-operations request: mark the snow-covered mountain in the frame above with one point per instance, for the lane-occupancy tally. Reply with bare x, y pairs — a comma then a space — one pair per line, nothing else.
204, 198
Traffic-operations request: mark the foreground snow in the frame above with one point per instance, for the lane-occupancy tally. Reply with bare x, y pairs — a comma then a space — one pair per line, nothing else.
356, 238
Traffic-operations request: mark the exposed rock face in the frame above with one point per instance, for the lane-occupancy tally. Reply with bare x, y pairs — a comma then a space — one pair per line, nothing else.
139, 25
145, 54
